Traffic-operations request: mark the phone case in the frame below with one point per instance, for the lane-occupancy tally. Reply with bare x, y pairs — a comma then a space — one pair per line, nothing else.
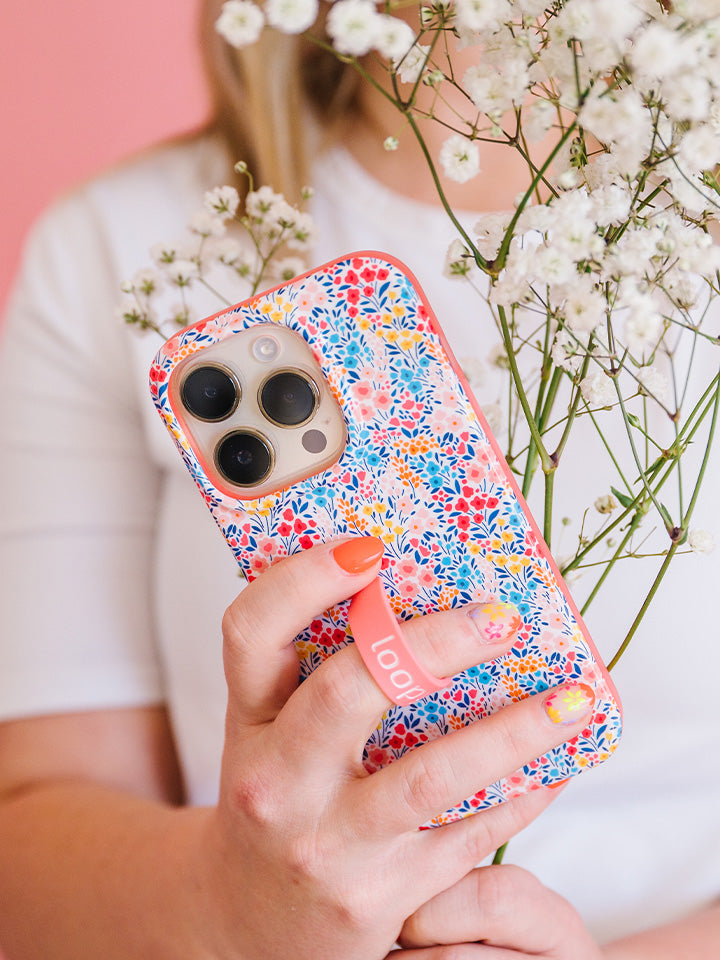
422, 471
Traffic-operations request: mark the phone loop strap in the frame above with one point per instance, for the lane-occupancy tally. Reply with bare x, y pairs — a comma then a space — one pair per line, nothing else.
378, 637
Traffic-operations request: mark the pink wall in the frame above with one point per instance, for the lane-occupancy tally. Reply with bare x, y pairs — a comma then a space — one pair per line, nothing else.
83, 83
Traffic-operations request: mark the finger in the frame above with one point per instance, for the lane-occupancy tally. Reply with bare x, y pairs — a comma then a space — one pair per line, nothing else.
459, 951
438, 859
504, 906
261, 666
342, 702
456, 848
437, 775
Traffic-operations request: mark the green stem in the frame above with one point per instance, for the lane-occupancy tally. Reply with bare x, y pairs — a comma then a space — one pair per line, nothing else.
634, 524
499, 854
678, 536
522, 396
548, 506
646, 603
527, 196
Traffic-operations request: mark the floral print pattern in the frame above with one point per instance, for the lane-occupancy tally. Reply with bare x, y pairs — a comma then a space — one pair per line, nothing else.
422, 472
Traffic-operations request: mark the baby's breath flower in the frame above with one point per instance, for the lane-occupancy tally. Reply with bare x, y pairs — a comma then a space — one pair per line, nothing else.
259, 203
494, 415
458, 260
221, 202
460, 158
598, 389
606, 503
302, 232
643, 327
353, 26
240, 22
291, 16
652, 382
498, 357
480, 15
182, 272
567, 353
180, 315
287, 268
226, 250
434, 78
394, 37
390, 143
146, 282
163, 253
537, 119
207, 224
489, 232
412, 64
701, 541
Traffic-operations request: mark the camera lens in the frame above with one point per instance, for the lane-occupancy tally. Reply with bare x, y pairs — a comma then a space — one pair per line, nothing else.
244, 458
288, 398
210, 393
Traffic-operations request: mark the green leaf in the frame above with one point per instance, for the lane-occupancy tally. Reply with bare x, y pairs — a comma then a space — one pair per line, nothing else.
622, 498
666, 517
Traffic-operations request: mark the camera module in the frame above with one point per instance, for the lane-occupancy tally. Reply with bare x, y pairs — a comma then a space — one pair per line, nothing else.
288, 398
244, 458
210, 393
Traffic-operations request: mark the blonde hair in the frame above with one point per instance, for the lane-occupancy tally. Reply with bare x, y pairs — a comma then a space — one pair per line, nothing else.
275, 103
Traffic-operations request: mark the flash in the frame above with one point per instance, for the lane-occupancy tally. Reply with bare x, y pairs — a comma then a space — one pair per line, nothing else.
265, 349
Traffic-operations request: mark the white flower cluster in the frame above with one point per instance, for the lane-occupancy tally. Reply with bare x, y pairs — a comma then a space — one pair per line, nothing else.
355, 27
248, 245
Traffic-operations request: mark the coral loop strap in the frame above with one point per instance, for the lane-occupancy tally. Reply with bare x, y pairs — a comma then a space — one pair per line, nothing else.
378, 637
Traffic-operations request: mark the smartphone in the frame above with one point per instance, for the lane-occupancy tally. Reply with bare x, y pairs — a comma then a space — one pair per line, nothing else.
332, 405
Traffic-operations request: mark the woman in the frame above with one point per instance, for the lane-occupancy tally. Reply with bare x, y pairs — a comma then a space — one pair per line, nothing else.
115, 838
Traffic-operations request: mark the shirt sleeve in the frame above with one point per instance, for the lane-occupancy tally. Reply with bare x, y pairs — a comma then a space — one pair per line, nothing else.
78, 489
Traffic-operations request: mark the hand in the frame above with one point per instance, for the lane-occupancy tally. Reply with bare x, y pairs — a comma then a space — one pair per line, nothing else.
307, 852
508, 910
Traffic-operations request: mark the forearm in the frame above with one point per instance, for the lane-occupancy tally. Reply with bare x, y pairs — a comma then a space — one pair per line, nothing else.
90, 872
696, 937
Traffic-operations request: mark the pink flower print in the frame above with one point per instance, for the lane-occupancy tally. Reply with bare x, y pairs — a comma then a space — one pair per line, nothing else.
362, 390
383, 400
266, 547
429, 519
405, 505
455, 422
552, 641
426, 579
406, 567
449, 399
366, 411
409, 589
311, 295
228, 515
439, 421
475, 472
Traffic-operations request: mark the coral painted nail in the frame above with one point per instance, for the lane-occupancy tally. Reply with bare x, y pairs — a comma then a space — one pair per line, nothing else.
570, 703
496, 621
359, 554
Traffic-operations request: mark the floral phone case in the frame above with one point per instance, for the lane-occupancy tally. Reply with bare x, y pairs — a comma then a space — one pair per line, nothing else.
422, 471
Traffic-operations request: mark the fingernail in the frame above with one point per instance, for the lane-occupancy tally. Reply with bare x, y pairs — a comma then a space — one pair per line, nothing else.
359, 554
496, 621
569, 703
558, 784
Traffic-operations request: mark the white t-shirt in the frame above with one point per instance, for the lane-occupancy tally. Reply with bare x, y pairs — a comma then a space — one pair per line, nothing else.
114, 577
